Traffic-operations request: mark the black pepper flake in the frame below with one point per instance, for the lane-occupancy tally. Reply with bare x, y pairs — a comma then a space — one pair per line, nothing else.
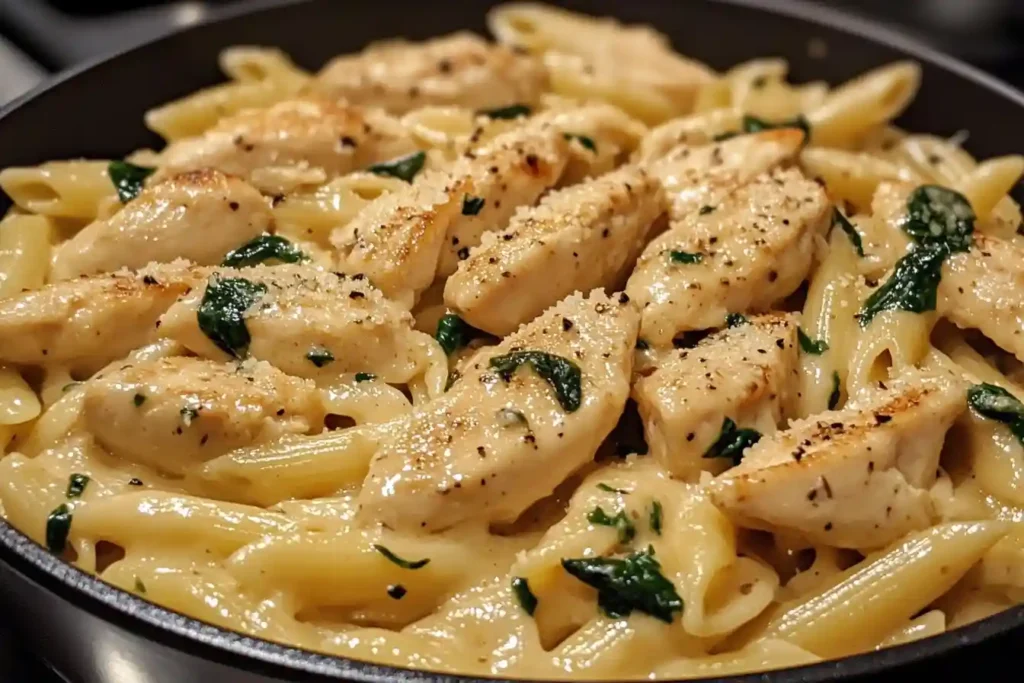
356, 295
463, 253
828, 527
396, 592
149, 280
882, 419
826, 486
234, 206
623, 298
481, 451
202, 441
134, 481
566, 324
691, 436
813, 494
605, 232
348, 141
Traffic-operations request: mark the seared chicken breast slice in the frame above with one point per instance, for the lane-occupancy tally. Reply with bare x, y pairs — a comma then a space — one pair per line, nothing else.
458, 69
702, 175
198, 215
578, 238
510, 171
304, 141
514, 426
397, 239
746, 374
745, 253
851, 478
85, 323
983, 289
303, 320
173, 413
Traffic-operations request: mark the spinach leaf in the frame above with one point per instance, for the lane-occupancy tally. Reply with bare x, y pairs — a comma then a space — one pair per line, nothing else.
620, 522
752, 124
58, 526
996, 403
735, 320
513, 111
221, 313
912, 286
471, 205
453, 333
632, 583
685, 257
938, 215
264, 248
404, 168
941, 222
319, 356
732, 441
851, 232
814, 347
128, 179
527, 600
642, 345
365, 377
587, 142
404, 564
562, 374
76, 485
833, 398
140, 587
656, 517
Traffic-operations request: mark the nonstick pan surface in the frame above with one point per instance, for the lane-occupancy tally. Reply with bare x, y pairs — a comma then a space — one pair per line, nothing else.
95, 633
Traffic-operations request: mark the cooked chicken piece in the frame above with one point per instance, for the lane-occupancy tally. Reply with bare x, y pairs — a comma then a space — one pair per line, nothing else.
601, 137
745, 253
693, 129
512, 170
631, 66
305, 321
173, 413
503, 438
579, 238
397, 239
981, 289
458, 69
87, 322
703, 175
198, 216
746, 374
295, 142
984, 289
852, 478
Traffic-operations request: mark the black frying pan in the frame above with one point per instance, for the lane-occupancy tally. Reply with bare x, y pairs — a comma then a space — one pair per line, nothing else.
95, 633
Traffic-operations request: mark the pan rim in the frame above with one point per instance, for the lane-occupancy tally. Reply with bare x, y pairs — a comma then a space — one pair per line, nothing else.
174, 630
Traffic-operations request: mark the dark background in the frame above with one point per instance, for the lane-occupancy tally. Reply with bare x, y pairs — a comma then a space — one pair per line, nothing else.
41, 37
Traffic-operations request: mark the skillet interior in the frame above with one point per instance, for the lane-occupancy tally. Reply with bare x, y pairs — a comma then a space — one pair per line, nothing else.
97, 112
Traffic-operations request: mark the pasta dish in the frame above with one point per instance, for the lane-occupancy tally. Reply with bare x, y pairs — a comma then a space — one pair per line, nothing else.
553, 356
